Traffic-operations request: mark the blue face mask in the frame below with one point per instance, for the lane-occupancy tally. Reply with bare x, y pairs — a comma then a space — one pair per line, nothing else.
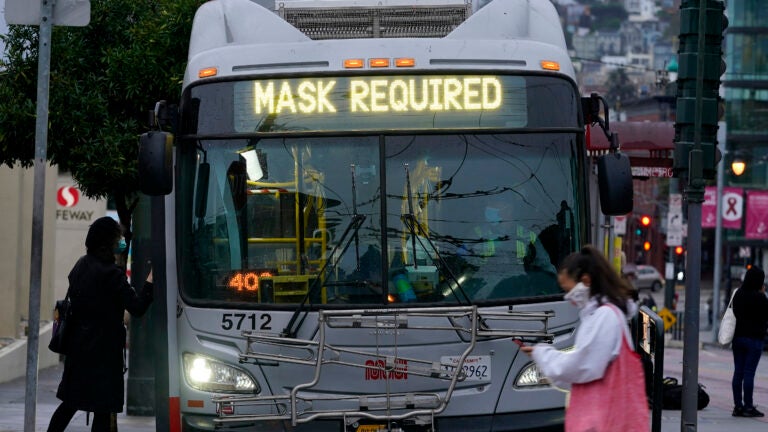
120, 248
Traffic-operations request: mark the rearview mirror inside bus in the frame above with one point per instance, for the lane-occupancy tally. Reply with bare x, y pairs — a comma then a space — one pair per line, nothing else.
155, 163
614, 178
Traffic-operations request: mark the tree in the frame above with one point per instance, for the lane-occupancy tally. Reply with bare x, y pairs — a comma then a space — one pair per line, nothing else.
104, 78
619, 87
608, 17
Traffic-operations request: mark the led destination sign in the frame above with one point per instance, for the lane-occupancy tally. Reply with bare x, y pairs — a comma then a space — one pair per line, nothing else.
380, 102
381, 95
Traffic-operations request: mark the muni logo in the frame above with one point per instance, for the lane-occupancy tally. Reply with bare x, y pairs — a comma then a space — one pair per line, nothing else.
377, 370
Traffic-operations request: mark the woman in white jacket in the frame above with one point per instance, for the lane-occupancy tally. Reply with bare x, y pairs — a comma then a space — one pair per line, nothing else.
604, 299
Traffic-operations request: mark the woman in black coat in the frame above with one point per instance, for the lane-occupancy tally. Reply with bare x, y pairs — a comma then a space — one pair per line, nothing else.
750, 306
100, 294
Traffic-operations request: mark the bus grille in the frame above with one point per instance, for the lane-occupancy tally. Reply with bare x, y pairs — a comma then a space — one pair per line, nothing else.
377, 22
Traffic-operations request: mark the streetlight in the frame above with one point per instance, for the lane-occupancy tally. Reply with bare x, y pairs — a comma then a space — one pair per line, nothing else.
738, 166
742, 159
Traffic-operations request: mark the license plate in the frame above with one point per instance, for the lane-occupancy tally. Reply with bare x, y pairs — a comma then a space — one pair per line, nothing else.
370, 428
476, 368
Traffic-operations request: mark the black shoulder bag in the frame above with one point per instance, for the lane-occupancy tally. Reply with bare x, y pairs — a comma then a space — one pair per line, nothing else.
62, 314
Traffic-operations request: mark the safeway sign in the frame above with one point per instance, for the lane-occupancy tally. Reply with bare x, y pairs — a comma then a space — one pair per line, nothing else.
73, 209
67, 196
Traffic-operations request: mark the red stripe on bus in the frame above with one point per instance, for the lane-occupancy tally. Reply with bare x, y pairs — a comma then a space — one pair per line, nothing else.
174, 411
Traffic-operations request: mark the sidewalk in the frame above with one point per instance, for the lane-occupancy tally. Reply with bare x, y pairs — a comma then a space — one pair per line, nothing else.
715, 371
12, 407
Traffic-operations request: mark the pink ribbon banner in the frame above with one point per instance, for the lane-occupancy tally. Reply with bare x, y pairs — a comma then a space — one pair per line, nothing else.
732, 207
757, 215
709, 208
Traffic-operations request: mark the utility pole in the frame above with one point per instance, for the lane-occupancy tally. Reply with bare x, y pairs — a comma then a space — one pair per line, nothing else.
44, 15
702, 23
38, 207
717, 277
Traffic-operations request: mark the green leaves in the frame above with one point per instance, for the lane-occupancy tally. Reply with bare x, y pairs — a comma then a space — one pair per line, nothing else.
104, 79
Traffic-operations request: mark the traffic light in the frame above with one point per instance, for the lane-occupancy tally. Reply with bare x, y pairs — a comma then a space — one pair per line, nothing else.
647, 246
712, 108
679, 250
645, 220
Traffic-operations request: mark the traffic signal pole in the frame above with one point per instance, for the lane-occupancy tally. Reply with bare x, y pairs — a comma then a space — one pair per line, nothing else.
702, 23
694, 194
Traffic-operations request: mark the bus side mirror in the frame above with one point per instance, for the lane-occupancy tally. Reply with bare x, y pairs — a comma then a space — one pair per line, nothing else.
156, 163
614, 179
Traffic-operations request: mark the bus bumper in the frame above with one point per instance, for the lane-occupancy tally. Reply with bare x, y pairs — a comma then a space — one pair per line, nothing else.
540, 421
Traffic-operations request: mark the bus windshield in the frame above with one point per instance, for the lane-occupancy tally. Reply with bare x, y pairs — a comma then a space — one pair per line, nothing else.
381, 217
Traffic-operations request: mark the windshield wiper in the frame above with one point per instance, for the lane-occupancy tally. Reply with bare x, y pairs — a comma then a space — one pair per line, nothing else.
346, 239
413, 225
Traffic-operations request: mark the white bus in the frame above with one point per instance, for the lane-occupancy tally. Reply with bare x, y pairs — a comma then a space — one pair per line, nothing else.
370, 200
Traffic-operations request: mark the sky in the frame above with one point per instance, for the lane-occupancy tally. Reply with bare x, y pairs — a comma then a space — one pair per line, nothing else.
3, 26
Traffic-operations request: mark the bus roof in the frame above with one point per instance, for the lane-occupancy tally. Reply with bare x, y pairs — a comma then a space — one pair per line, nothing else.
239, 37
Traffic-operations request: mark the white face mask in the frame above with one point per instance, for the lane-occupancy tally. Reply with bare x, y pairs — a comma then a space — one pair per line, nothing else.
578, 295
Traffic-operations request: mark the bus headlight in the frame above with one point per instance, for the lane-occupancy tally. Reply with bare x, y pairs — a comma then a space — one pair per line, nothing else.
531, 376
207, 374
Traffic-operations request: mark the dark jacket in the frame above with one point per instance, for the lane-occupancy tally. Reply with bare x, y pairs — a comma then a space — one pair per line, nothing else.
751, 309
93, 369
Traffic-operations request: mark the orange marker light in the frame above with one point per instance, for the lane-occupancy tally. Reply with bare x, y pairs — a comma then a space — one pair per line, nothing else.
405, 62
207, 72
378, 62
354, 63
196, 403
550, 65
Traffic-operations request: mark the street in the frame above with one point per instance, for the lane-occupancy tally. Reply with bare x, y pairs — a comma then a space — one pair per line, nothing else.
715, 368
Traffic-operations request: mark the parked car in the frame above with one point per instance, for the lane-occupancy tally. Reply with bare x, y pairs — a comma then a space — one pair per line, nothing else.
644, 276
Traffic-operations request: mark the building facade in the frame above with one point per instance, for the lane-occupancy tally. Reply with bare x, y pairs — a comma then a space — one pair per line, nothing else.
745, 89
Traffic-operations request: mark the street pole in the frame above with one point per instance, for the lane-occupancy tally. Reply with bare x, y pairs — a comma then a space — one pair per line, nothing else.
695, 196
669, 291
718, 239
38, 207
